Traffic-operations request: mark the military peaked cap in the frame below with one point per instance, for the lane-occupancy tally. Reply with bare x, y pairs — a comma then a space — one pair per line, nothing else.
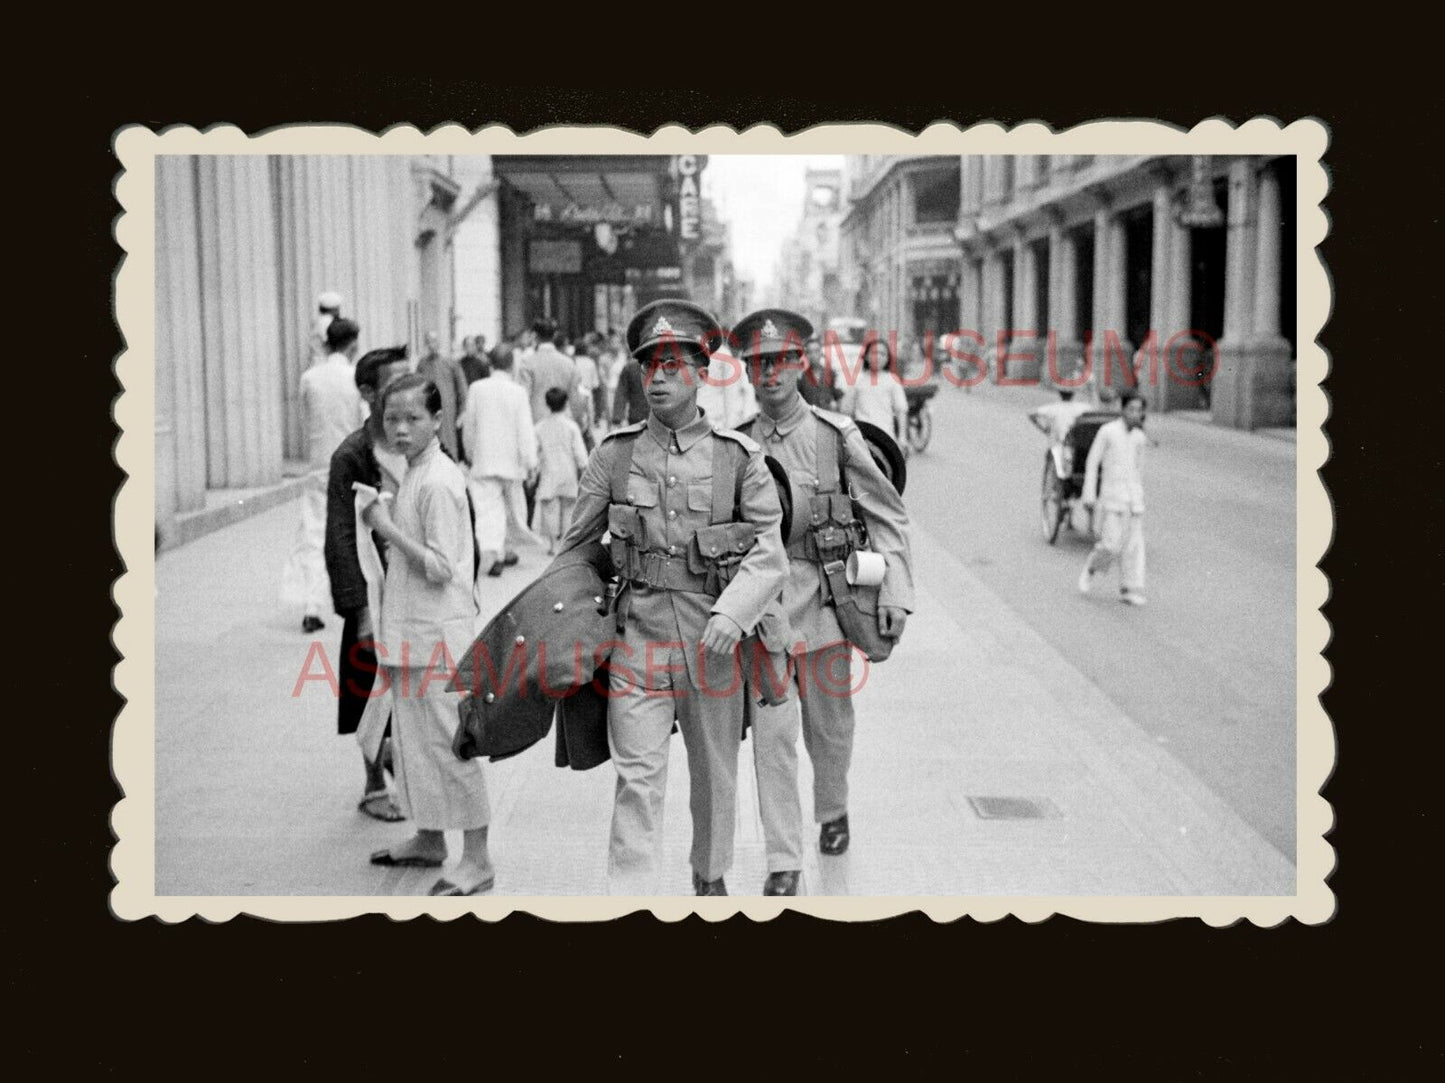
669, 324
769, 330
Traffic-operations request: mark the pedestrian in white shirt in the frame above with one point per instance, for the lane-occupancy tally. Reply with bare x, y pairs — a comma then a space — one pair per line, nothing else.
501, 447
563, 457
1055, 419
331, 410
1119, 495
875, 394
328, 308
725, 394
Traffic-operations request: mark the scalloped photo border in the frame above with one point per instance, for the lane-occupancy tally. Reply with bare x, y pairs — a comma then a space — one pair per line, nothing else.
133, 858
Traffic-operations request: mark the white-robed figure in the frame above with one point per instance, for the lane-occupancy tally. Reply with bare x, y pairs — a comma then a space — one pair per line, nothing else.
328, 308
1112, 481
501, 446
331, 410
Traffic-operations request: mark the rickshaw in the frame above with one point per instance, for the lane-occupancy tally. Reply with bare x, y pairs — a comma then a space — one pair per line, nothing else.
920, 417
1063, 480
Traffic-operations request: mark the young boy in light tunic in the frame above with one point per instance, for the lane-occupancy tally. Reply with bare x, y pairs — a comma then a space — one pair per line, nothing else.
427, 618
562, 456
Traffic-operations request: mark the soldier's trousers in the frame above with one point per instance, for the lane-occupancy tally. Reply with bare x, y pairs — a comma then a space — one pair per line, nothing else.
824, 702
639, 730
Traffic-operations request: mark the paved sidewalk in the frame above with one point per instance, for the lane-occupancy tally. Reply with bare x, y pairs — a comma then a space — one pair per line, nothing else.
256, 793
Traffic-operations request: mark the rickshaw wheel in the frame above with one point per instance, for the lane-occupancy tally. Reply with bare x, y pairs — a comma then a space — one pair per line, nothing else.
920, 429
1052, 503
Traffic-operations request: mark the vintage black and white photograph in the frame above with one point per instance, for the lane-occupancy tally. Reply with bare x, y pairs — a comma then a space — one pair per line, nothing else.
588, 523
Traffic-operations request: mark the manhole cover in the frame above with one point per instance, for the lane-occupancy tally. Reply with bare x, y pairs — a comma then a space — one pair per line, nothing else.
1014, 808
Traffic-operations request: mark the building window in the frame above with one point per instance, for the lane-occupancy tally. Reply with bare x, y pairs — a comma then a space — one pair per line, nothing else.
936, 196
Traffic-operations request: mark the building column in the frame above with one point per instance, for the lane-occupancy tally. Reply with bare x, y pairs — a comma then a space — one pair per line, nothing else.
180, 427
1267, 266
968, 307
1180, 365
240, 322
1268, 376
1118, 290
1068, 350
994, 317
1229, 400
1154, 374
1025, 313
1103, 243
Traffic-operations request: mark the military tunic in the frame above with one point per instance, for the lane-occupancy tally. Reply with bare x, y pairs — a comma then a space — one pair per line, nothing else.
824, 672
659, 672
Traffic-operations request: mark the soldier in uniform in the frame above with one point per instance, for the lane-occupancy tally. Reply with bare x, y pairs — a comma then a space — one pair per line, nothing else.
826, 457
694, 521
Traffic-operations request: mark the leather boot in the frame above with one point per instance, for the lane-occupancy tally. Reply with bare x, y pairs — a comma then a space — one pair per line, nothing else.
833, 838
782, 883
708, 887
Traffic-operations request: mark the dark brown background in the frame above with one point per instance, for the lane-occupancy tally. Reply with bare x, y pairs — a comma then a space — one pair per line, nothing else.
1168, 1002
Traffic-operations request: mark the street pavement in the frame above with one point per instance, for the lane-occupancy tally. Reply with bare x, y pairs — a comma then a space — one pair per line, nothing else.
1007, 685
1207, 669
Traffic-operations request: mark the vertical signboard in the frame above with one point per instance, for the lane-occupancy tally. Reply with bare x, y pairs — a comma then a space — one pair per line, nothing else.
688, 169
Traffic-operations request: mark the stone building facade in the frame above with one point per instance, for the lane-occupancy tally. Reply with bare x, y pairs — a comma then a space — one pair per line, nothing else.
810, 273
898, 255
244, 246
1156, 269
1160, 269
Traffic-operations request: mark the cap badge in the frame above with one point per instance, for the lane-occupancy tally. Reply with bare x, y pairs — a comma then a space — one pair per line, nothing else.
662, 327
770, 330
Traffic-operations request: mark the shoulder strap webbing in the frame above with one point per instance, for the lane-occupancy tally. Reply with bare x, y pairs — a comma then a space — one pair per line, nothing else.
621, 467
727, 480
829, 458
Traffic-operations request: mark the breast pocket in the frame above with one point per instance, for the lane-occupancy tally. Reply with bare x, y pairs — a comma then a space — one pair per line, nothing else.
641, 492
699, 496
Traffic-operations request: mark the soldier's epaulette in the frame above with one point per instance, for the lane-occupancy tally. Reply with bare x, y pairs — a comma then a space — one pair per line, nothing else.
625, 430
841, 422
749, 444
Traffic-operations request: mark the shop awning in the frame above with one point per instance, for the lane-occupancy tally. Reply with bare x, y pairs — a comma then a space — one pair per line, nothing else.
630, 190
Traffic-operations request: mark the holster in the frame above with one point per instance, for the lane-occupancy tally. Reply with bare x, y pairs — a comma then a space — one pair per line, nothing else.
624, 524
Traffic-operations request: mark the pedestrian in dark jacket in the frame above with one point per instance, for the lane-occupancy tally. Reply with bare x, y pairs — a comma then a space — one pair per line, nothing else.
361, 457
630, 405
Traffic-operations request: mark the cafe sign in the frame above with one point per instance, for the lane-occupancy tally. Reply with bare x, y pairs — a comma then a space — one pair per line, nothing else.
687, 168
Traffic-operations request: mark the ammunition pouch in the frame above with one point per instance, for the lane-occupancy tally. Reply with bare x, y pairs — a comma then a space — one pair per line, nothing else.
835, 530
707, 566
717, 551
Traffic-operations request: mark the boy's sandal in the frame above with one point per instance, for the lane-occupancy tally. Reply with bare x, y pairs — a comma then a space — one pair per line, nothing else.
387, 812
387, 858
446, 887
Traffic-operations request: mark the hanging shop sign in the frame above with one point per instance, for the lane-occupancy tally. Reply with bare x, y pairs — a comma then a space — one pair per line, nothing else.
554, 257
590, 214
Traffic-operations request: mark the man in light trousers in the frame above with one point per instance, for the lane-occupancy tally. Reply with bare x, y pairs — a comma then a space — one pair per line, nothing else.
1119, 497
